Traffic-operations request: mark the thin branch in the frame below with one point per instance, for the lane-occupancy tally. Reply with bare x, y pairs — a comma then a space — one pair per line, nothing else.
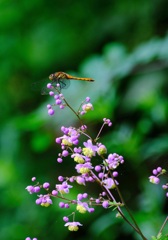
160, 231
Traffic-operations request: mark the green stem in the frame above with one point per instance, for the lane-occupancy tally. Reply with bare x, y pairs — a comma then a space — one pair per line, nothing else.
160, 231
67, 104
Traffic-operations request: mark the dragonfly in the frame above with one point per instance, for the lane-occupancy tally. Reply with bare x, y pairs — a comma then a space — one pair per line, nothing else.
61, 80
61, 77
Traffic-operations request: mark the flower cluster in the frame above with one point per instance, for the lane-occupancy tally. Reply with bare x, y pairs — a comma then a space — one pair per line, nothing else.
60, 101
92, 165
155, 178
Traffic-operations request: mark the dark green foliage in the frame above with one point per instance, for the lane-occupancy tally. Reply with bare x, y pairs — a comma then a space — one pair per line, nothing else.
122, 45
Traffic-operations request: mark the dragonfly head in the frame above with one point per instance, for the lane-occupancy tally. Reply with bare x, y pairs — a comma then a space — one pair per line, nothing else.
51, 77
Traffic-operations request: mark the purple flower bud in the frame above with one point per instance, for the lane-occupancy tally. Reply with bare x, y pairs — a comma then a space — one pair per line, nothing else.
65, 153
46, 185
33, 179
105, 204
51, 111
71, 179
80, 197
115, 174
97, 168
63, 129
38, 201
62, 106
87, 99
30, 189
91, 210
103, 194
101, 175
59, 160
56, 96
61, 204
155, 172
85, 195
82, 112
159, 169
51, 93
61, 178
58, 140
49, 85
49, 106
58, 101
83, 127
36, 189
54, 193
65, 219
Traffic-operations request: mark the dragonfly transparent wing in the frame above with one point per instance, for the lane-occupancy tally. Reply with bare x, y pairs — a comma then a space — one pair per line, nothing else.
42, 85
64, 83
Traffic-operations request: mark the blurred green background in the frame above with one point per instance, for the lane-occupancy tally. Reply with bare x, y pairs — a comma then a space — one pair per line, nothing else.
123, 45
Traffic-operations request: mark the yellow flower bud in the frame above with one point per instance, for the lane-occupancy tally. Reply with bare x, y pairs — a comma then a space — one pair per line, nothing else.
84, 170
45, 204
73, 228
81, 209
79, 159
88, 152
66, 142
